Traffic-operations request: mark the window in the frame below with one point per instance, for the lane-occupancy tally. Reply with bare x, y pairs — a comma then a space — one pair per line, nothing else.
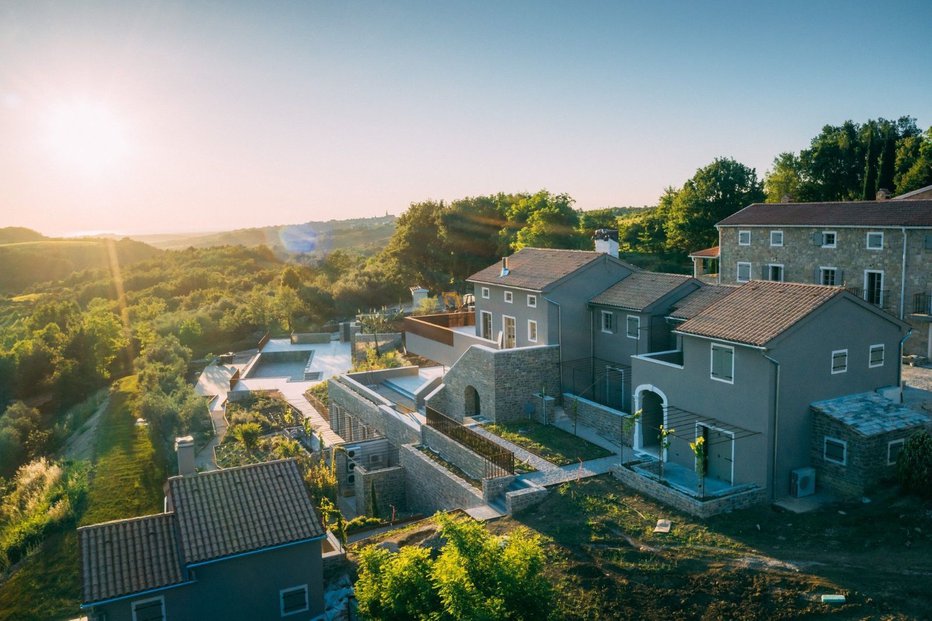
828, 276
744, 271
633, 327
875, 241
486, 324
149, 609
775, 272
723, 363
835, 451
776, 238
294, 600
509, 297
532, 301
532, 330
876, 356
893, 451
839, 361
873, 287
608, 324
485, 293
829, 239
744, 238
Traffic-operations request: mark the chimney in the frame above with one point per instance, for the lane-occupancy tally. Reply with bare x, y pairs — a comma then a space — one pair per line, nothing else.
504, 266
883, 194
184, 448
606, 241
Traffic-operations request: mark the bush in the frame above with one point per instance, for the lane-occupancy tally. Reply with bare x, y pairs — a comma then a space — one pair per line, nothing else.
362, 522
914, 464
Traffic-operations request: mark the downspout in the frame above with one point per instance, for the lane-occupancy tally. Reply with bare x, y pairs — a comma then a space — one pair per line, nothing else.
899, 364
776, 421
559, 336
903, 281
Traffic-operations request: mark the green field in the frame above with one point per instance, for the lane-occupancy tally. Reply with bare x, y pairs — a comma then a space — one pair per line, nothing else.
125, 482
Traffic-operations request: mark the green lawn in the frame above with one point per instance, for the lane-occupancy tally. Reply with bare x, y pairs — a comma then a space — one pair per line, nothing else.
125, 482
546, 441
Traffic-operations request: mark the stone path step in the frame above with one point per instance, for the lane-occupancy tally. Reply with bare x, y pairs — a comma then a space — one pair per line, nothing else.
536, 462
572, 472
484, 513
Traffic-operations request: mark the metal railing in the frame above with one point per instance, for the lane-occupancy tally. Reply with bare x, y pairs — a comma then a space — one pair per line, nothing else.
880, 298
499, 461
922, 304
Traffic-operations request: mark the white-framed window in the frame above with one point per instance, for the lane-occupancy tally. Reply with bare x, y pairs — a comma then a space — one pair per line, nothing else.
893, 450
835, 451
608, 322
723, 363
294, 600
873, 287
532, 330
633, 327
744, 271
509, 297
875, 240
152, 609
839, 361
829, 239
775, 272
485, 293
531, 301
776, 238
744, 238
828, 276
875, 356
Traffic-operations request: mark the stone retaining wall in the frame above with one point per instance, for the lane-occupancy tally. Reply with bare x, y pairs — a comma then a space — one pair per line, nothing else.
465, 459
388, 485
607, 421
429, 487
377, 416
521, 499
688, 504
493, 488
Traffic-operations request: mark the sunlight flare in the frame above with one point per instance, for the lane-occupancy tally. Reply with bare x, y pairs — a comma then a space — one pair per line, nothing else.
86, 137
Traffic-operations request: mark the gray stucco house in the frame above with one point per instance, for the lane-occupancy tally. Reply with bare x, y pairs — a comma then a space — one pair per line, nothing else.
241, 543
880, 250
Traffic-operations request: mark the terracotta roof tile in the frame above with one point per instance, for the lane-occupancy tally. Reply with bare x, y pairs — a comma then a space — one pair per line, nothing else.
641, 289
129, 556
896, 212
539, 268
242, 509
699, 300
759, 311
706, 253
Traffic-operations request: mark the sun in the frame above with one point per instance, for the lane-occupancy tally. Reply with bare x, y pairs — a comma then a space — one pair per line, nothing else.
86, 137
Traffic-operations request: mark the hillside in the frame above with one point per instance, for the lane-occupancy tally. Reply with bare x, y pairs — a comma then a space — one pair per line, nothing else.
26, 263
16, 234
364, 235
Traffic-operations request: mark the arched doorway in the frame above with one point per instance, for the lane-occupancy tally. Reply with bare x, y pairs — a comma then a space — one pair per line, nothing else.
472, 407
652, 404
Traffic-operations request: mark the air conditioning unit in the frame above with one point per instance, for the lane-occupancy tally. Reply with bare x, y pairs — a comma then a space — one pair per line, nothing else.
351, 451
351, 479
350, 466
802, 482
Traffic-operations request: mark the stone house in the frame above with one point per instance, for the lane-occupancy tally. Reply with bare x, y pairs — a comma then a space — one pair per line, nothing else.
880, 250
241, 543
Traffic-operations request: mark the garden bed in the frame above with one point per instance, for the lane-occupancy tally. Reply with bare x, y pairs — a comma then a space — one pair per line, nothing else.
548, 442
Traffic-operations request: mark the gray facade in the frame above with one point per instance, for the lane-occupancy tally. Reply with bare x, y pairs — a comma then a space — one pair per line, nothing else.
764, 410
903, 260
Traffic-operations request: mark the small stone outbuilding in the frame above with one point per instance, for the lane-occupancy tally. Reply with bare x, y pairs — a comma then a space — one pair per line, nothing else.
856, 440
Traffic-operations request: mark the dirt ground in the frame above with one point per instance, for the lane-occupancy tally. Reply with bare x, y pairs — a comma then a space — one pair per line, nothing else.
81, 443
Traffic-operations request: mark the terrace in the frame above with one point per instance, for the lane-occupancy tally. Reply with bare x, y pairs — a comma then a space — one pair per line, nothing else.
444, 337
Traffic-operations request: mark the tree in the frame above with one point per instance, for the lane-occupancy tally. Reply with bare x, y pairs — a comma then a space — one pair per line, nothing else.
476, 576
712, 194
469, 231
914, 464
547, 221
248, 435
914, 162
781, 183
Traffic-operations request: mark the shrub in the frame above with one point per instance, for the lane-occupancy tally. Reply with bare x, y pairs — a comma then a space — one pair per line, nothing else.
914, 464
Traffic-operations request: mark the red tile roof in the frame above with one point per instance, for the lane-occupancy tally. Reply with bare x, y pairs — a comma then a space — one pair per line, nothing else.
759, 311
699, 300
706, 253
640, 289
855, 213
540, 268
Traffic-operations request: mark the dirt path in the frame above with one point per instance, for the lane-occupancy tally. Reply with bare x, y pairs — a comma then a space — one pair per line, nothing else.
81, 443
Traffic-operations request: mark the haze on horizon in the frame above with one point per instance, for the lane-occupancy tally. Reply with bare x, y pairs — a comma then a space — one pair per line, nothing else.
159, 117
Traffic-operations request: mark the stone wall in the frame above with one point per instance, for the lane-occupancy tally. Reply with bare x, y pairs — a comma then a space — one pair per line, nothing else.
701, 508
521, 499
429, 487
866, 457
607, 421
493, 488
366, 407
309, 337
388, 486
465, 459
506, 381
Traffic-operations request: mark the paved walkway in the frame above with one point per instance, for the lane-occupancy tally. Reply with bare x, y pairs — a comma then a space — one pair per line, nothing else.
536, 462
573, 472
204, 460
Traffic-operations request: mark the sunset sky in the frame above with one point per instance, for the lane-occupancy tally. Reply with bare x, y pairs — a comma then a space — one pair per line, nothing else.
180, 116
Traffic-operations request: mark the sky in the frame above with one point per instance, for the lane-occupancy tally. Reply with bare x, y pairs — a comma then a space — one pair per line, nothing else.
147, 117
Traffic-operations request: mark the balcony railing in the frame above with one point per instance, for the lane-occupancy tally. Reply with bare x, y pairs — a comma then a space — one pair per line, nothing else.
880, 298
922, 304
439, 327
499, 461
